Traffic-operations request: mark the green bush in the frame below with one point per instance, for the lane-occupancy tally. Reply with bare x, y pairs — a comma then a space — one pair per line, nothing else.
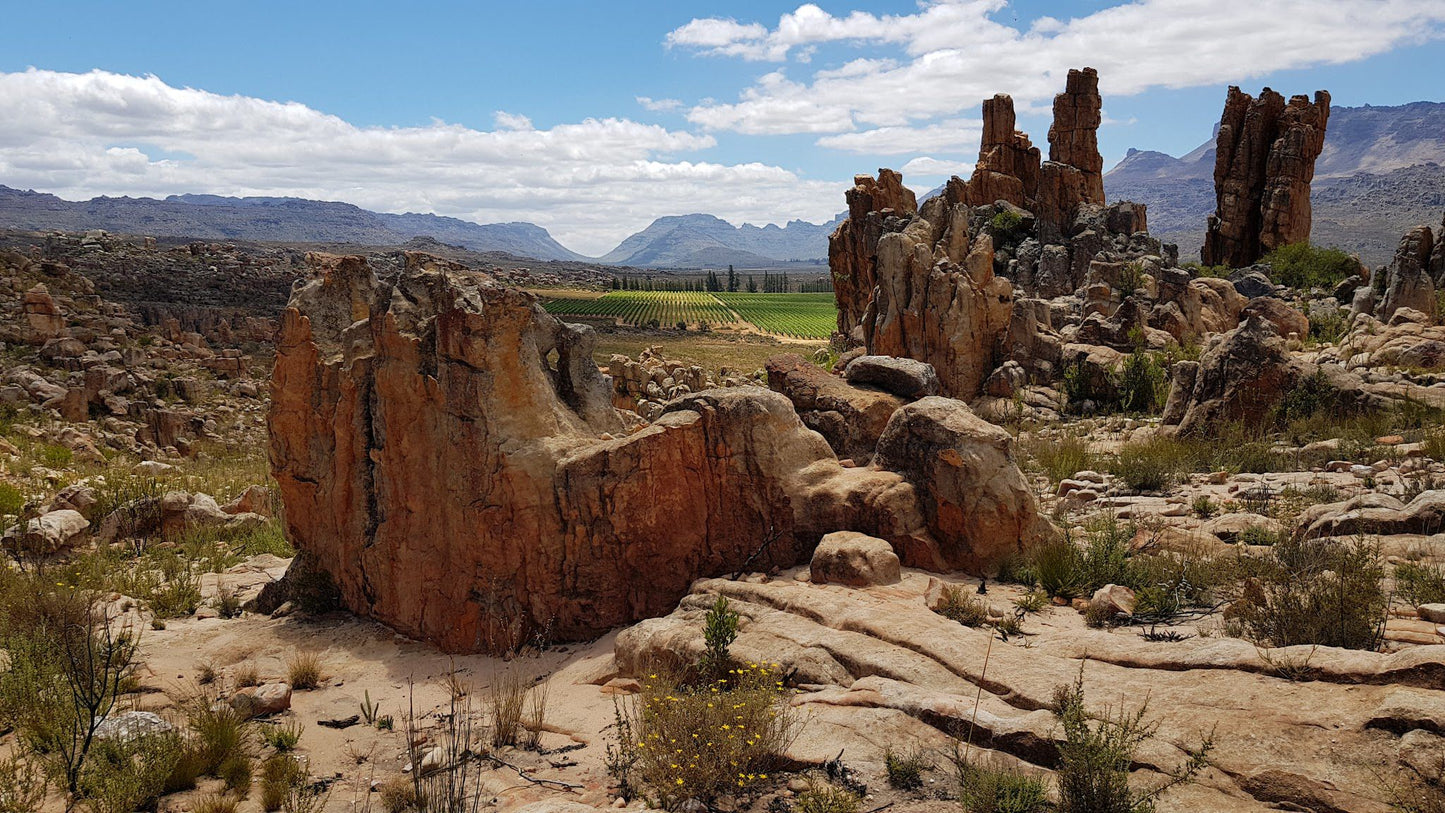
12, 501
719, 631
825, 797
121, 777
1420, 583
1322, 592
990, 789
55, 456
1058, 567
1142, 385
1005, 223
1302, 266
957, 605
1106, 557
905, 770
1152, 465
1061, 458
1097, 752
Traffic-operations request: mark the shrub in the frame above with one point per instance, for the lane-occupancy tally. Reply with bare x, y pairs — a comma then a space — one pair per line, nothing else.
697, 742
1420, 583
121, 777
998, 789
1302, 266
398, 795
222, 733
719, 631
12, 501
959, 606
1094, 759
905, 771
1061, 458
304, 671
825, 797
1005, 223
22, 784
1031, 602
1151, 465
237, 771
1319, 592
1105, 559
1310, 397
1143, 385
1131, 278
1057, 566
55, 456
279, 775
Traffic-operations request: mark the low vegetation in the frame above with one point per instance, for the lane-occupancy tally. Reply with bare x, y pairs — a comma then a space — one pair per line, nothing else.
1324, 592
1302, 266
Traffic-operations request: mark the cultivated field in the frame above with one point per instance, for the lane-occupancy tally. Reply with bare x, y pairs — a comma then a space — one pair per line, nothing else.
798, 316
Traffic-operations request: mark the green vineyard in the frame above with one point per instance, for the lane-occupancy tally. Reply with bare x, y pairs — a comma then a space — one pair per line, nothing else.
801, 316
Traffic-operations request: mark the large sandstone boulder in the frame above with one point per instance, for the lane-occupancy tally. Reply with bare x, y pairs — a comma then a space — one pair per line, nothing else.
849, 417
1242, 378
976, 501
1264, 163
906, 378
43, 318
1407, 281
439, 445
49, 533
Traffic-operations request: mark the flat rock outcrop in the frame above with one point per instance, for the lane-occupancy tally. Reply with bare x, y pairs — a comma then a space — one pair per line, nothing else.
1264, 163
445, 452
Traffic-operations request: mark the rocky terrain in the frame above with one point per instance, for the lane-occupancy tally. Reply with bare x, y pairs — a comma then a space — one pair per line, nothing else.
1053, 519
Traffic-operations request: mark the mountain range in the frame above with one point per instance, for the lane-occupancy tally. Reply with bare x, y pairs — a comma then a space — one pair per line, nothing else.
1382, 171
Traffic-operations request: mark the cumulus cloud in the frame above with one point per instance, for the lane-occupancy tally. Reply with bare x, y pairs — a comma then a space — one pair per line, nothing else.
952, 135
958, 54
929, 167
659, 105
591, 183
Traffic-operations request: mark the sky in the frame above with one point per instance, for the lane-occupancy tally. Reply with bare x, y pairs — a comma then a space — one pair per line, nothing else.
592, 119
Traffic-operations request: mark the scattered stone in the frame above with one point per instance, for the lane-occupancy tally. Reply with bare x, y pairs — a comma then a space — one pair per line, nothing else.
854, 559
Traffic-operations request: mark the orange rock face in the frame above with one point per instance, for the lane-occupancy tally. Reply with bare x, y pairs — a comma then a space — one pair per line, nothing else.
1074, 136
853, 247
443, 449
1264, 163
1008, 163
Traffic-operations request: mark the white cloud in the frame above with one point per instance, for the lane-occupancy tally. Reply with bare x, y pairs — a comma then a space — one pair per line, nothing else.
952, 135
959, 55
936, 168
659, 105
591, 183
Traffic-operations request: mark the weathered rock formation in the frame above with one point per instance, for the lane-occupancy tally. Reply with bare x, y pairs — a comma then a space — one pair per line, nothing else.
1074, 136
442, 449
43, 319
1408, 282
851, 418
1264, 163
1008, 163
852, 250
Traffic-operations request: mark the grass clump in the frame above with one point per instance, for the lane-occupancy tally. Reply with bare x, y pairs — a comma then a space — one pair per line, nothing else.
279, 776
216, 803
304, 671
1057, 565
1322, 592
956, 605
1151, 465
283, 738
905, 770
826, 797
1094, 759
1061, 458
987, 788
698, 741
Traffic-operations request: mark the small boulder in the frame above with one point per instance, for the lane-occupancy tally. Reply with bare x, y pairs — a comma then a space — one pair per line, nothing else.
854, 559
53, 532
260, 701
1115, 599
906, 378
1433, 612
132, 725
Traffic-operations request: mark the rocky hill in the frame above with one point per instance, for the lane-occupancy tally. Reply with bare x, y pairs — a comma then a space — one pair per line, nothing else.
1380, 174
701, 240
291, 220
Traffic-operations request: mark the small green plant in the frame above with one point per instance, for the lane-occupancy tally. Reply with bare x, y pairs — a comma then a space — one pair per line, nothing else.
1005, 223
55, 456
368, 708
1323, 592
905, 770
1032, 602
822, 796
1149, 466
1143, 386
304, 671
1204, 507
237, 771
1061, 458
283, 738
1131, 278
22, 784
719, 631
12, 502
223, 733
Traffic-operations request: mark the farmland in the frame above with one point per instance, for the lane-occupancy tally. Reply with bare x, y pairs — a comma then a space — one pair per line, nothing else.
798, 316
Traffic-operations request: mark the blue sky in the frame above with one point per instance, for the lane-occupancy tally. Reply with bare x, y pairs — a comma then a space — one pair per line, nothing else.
594, 118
